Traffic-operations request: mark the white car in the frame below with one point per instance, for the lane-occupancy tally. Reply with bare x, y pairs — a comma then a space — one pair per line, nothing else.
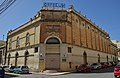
21, 69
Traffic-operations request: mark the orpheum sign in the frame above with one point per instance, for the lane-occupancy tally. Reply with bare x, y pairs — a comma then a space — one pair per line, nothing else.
53, 5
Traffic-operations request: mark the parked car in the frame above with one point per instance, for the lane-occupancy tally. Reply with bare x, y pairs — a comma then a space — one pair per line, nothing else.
117, 70
103, 65
6, 68
84, 68
11, 68
96, 66
2, 72
109, 64
113, 64
21, 69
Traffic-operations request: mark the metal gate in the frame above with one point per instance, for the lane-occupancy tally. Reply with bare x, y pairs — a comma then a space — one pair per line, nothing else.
52, 60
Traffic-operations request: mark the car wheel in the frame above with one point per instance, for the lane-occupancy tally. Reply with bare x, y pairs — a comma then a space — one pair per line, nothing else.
88, 70
17, 72
115, 76
77, 70
14, 72
2, 77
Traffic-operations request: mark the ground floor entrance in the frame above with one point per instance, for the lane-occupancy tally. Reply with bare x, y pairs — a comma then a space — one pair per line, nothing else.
52, 61
52, 54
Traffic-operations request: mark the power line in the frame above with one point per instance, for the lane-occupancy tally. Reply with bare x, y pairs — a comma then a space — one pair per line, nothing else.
5, 5
10, 9
1, 1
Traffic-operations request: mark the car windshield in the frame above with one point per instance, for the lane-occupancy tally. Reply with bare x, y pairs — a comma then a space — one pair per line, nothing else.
1, 68
12, 67
102, 63
24, 66
17, 67
118, 66
83, 65
94, 64
5, 66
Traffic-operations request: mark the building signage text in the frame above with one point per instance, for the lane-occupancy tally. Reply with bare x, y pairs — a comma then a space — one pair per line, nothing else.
53, 28
54, 5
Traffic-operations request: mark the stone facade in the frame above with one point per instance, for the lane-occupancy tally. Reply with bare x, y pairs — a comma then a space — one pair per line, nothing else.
2, 52
59, 39
118, 46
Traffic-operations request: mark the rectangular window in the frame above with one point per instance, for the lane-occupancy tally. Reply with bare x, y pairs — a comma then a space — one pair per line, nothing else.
64, 60
70, 65
36, 49
69, 50
27, 38
17, 42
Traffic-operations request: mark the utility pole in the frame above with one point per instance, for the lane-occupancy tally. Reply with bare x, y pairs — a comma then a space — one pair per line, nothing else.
3, 37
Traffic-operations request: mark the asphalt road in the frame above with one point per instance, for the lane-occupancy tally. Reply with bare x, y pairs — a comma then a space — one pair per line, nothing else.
102, 73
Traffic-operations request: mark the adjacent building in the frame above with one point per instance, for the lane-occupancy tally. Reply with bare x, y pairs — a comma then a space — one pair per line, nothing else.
116, 42
118, 46
59, 39
2, 52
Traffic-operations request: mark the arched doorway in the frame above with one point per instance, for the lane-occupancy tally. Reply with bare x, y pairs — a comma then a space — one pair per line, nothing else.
107, 58
26, 57
85, 58
9, 59
52, 56
16, 58
98, 58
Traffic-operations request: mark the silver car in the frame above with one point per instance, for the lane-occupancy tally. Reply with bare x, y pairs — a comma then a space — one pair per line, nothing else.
96, 66
21, 69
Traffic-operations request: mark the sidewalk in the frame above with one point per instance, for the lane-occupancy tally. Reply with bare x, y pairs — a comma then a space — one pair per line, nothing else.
48, 72
12, 74
51, 73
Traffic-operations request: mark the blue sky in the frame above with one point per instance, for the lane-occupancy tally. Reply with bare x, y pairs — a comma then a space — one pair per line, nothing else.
105, 13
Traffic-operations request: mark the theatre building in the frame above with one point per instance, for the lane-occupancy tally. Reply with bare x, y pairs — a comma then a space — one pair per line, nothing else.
58, 39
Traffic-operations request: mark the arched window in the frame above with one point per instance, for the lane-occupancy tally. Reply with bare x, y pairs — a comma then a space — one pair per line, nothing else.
26, 57
53, 40
27, 38
9, 59
85, 57
16, 57
10, 44
98, 58
107, 58
18, 42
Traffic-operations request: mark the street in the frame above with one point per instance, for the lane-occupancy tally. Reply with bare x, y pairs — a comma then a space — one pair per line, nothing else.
102, 73
90, 75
